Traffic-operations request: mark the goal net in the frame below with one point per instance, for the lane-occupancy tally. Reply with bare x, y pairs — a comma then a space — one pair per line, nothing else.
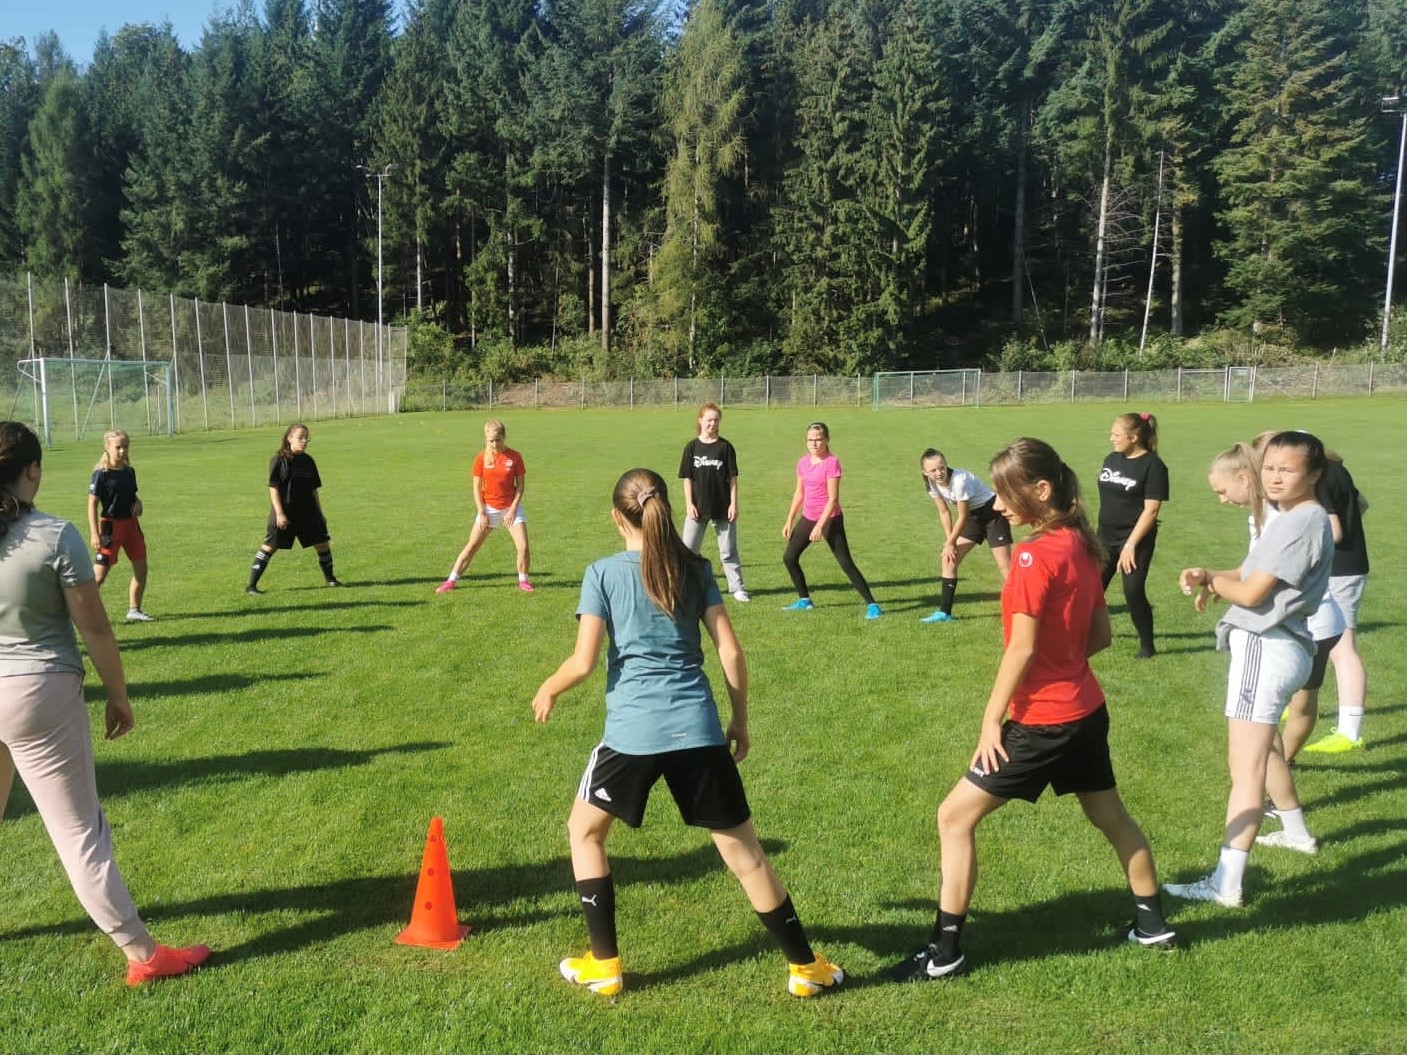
71, 398
928, 388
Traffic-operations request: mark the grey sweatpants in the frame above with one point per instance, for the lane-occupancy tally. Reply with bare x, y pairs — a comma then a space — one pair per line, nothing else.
44, 724
727, 532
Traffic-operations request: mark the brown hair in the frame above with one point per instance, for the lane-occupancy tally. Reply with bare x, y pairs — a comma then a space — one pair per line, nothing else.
1019, 467
1144, 427
667, 567
1245, 458
704, 409
19, 449
285, 451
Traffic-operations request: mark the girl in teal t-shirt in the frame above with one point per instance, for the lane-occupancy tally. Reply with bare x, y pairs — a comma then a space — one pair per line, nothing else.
661, 721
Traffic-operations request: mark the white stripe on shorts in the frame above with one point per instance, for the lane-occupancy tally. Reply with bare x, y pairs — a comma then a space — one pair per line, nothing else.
1266, 670
583, 790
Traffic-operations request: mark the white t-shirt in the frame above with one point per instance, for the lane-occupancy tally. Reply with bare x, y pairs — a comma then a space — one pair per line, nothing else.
962, 486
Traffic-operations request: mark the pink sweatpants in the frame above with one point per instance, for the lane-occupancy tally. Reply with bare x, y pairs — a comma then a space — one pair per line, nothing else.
44, 724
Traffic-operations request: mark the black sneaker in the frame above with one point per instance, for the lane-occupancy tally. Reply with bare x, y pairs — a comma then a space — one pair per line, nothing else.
254, 591
332, 582
926, 965
1165, 939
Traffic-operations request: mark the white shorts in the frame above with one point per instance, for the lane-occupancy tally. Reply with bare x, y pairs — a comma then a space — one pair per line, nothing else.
1266, 670
1347, 592
495, 517
1327, 620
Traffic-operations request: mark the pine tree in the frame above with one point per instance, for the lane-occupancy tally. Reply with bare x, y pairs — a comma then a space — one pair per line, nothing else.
705, 103
58, 175
19, 99
1302, 212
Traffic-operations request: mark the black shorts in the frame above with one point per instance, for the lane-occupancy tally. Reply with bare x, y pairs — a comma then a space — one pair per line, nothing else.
309, 528
1321, 662
1073, 757
985, 524
703, 780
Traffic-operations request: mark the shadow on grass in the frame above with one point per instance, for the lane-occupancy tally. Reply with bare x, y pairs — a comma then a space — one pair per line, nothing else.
146, 690
117, 778
263, 633
263, 609
486, 898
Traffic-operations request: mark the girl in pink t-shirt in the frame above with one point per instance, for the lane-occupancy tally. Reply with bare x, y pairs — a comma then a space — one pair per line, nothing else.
817, 500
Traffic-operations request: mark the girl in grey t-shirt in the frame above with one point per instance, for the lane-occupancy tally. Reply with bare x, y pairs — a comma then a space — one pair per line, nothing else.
1265, 628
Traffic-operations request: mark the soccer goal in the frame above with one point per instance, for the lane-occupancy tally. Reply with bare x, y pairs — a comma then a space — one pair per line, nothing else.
77, 396
928, 388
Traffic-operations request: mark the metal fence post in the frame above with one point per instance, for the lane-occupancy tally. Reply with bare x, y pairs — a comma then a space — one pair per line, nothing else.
175, 358
1314, 386
721, 400
1126, 384
490, 393
200, 355
249, 348
229, 363
107, 354
1073, 375
273, 347
29, 284
676, 392
536, 403
815, 389
767, 390
297, 373
1370, 377
1179, 384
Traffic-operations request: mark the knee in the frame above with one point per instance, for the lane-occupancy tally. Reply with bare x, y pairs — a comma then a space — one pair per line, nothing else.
953, 822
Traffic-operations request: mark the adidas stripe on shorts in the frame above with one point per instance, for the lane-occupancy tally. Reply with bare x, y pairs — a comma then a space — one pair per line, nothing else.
1266, 670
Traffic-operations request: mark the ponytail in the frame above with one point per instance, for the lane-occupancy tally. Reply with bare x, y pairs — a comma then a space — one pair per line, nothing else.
1144, 428
1019, 467
19, 449
667, 567
492, 427
1244, 458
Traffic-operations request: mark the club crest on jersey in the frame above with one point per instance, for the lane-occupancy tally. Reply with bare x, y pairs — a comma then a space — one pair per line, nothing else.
1025, 560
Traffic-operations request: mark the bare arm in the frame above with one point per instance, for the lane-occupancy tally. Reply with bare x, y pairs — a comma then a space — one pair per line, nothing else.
734, 664
1247, 593
733, 499
795, 508
93, 519
1020, 650
1101, 635
86, 610
520, 485
280, 517
1337, 525
576, 668
478, 493
690, 510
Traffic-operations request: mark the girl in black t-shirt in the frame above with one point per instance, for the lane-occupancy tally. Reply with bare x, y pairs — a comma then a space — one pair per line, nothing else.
1133, 485
295, 511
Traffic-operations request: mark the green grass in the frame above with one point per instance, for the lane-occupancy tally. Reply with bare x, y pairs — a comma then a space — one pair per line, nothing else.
291, 749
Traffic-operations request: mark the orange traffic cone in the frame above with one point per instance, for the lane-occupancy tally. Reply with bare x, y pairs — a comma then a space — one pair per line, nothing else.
434, 922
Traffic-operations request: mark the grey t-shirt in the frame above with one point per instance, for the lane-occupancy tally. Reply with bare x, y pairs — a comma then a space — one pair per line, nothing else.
657, 696
1298, 549
40, 556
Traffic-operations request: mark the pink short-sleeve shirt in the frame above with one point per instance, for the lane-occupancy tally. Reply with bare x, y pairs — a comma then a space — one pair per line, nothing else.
813, 477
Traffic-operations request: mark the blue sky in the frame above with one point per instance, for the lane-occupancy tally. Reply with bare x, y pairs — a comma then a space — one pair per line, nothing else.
78, 22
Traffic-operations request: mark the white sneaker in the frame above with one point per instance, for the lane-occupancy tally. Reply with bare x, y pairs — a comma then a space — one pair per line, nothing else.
741, 595
1204, 890
1305, 844
136, 615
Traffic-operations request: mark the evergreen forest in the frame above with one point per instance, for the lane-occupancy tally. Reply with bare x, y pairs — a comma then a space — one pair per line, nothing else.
646, 188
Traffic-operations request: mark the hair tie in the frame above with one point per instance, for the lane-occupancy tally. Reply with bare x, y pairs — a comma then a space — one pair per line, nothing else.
1144, 415
644, 496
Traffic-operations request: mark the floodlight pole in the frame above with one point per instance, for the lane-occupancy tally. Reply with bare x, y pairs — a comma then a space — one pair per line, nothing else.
1394, 104
380, 179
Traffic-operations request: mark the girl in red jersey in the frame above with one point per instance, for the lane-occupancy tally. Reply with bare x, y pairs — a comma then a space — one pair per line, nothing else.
1056, 727
112, 492
499, 476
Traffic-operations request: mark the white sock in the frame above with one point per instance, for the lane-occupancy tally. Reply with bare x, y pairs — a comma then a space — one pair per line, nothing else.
1293, 820
522, 576
1351, 722
452, 577
1230, 870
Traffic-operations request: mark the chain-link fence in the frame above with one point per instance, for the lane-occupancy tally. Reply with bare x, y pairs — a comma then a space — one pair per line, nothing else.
809, 390
232, 366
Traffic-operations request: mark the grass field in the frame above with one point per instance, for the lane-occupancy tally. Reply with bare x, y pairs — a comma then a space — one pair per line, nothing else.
291, 749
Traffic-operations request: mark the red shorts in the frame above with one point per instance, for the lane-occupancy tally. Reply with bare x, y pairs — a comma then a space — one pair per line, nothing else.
117, 535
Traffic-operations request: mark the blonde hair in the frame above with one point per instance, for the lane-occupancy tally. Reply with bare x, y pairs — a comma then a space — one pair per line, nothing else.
111, 434
667, 567
492, 427
1244, 458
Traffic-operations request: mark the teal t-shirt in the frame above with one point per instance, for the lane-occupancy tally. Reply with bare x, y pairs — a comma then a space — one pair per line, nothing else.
657, 696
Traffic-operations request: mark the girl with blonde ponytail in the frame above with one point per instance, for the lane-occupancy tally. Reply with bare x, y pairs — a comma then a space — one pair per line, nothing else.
662, 721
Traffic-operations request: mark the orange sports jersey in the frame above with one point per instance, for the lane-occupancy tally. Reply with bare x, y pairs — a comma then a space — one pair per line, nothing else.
499, 488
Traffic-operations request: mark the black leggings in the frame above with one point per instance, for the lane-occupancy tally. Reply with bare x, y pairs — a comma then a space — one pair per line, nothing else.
1135, 584
834, 535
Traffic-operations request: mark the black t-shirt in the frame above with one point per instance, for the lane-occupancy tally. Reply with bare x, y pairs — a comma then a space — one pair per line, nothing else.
1124, 484
116, 491
712, 467
296, 479
1336, 493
